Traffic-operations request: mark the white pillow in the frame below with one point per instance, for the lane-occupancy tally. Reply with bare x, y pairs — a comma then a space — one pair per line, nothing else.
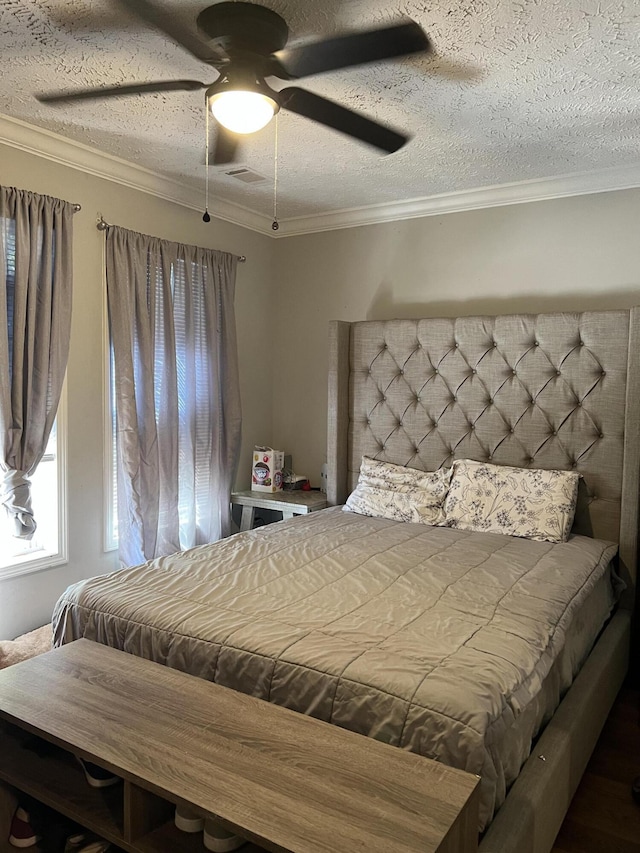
527, 502
401, 494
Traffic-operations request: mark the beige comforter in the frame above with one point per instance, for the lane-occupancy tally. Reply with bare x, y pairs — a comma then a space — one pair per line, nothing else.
432, 639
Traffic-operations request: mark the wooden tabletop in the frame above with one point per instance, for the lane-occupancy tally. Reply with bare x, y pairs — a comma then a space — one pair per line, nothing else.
285, 780
293, 500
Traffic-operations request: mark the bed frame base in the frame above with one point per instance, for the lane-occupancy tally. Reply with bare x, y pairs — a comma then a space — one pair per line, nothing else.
536, 805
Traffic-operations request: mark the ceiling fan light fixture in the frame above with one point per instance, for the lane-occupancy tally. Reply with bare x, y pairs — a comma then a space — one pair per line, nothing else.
243, 111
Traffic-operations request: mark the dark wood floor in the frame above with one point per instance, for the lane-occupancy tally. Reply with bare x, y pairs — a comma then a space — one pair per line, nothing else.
603, 818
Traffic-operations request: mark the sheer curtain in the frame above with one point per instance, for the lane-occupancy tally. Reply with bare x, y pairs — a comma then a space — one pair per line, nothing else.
35, 324
177, 397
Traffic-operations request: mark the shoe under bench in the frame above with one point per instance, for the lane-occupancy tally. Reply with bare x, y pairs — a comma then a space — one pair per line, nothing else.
285, 781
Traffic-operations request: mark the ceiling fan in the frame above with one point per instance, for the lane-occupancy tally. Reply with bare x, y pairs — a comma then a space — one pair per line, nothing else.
246, 44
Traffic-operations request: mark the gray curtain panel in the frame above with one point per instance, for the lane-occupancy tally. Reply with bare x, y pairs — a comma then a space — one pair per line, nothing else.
35, 324
178, 416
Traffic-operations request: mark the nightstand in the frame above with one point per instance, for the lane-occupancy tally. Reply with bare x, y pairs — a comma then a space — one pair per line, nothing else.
289, 503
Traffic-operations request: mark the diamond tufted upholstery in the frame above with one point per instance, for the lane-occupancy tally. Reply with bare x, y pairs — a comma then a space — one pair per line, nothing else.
541, 391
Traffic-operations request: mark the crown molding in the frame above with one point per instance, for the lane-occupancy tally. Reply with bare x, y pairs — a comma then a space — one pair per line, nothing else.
76, 155
58, 149
539, 189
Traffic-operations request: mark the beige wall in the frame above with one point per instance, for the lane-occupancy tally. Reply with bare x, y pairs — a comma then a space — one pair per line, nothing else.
572, 254
567, 254
27, 601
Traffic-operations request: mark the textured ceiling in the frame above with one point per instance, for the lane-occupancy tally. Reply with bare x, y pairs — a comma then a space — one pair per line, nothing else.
517, 90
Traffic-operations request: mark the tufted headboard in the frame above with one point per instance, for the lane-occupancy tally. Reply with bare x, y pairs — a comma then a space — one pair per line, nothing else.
531, 390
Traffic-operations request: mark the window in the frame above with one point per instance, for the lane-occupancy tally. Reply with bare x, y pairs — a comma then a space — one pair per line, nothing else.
188, 358
177, 394
48, 547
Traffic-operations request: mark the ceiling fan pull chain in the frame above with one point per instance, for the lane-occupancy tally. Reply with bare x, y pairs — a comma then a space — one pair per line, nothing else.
274, 224
206, 217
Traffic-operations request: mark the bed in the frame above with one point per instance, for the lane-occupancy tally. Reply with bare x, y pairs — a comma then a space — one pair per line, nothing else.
326, 613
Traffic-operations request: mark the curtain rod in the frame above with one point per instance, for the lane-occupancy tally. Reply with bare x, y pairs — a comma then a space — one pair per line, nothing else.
77, 208
102, 226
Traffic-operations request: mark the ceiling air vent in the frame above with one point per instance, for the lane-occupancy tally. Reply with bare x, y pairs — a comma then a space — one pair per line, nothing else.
245, 175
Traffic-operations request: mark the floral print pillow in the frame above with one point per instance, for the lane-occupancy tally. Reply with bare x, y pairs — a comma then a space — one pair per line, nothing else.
398, 493
527, 502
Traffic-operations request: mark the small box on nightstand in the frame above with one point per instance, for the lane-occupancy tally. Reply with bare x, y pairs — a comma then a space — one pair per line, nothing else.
266, 470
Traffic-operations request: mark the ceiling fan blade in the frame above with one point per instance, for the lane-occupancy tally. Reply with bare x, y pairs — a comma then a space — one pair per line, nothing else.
115, 91
340, 118
158, 18
224, 147
353, 49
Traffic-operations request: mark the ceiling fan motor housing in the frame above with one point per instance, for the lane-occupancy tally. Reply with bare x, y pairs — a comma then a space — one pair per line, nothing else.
244, 26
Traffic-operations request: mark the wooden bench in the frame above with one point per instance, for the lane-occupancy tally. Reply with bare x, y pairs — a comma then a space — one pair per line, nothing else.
285, 781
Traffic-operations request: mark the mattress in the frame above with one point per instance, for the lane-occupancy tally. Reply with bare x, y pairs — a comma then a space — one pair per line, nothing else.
455, 645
